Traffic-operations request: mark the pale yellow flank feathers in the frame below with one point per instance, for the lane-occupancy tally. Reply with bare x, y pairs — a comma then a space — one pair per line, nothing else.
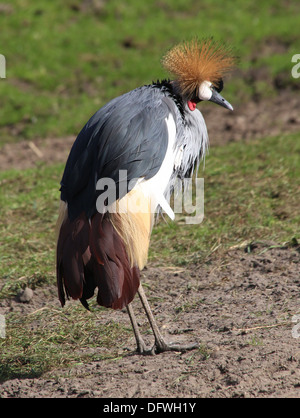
133, 221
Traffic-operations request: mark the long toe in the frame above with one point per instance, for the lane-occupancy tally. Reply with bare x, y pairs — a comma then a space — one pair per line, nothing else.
162, 346
142, 348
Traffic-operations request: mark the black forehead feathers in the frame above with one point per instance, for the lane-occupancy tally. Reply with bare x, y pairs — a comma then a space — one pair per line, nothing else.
219, 86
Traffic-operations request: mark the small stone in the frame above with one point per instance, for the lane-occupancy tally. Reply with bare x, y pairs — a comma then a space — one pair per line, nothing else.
25, 295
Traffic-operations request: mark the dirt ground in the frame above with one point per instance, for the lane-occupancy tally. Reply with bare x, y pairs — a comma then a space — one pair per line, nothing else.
238, 306
254, 119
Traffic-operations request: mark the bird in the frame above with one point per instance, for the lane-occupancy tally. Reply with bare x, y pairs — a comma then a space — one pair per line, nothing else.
123, 163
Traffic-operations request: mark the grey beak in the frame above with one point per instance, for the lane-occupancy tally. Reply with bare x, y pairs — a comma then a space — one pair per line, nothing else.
217, 98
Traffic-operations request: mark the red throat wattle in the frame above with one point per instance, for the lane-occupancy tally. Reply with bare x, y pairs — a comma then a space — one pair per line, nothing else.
192, 105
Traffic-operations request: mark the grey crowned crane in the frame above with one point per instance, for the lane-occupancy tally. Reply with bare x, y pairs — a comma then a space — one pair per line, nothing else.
154, 134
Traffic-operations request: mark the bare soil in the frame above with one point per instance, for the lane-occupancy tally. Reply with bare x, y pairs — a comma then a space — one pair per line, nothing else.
237, 305
255, 119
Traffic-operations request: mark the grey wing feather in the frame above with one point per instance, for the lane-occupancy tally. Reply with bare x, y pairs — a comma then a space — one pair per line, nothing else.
129, 133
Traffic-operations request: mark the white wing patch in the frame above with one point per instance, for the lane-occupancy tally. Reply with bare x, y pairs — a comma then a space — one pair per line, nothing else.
155, 188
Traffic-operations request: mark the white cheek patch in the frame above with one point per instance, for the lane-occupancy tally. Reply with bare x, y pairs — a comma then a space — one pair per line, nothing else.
205, 92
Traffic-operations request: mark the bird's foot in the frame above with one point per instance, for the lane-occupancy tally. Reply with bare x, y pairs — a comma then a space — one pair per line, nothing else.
142, 348
161, 347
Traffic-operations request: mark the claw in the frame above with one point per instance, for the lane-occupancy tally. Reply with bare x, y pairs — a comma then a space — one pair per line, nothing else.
161, 348
160, 345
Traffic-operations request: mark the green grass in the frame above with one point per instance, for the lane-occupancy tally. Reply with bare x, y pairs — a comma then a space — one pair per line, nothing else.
66, 60
251, 193
29, 202
52, 339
